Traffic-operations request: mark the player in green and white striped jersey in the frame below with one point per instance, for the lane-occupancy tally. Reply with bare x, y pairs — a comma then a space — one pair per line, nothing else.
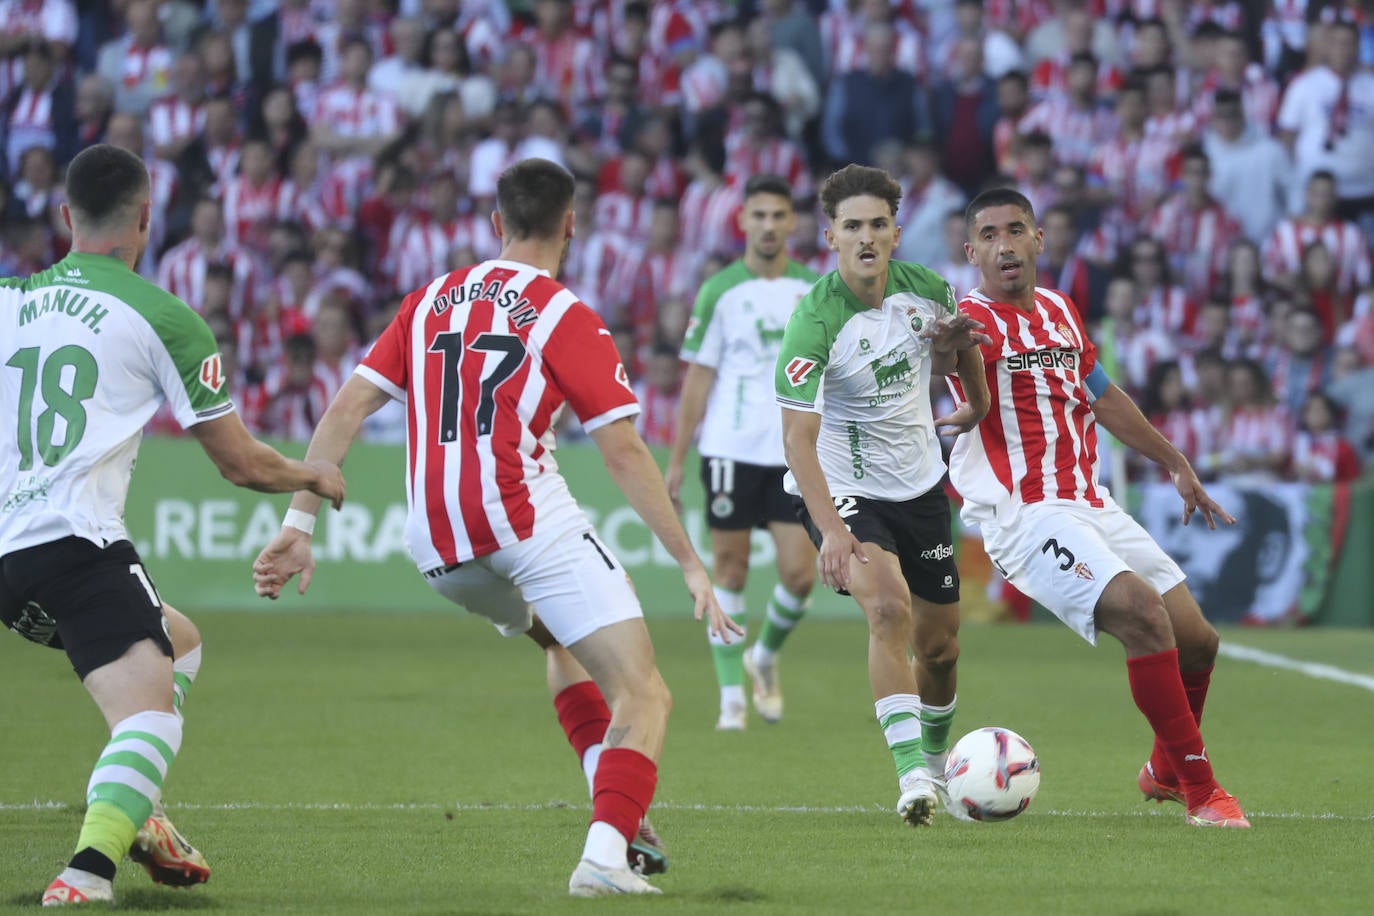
731, 346
854, 383
90, 351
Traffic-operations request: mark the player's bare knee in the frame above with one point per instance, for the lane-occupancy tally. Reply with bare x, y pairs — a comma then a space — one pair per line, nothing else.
939, 656
797, 581
1134, 613
731, 572
1197, 649
889, 617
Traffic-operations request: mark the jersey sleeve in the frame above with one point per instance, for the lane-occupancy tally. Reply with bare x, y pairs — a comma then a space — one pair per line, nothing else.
387, 365
704, 342
189, 370
581, 357
978, 312
802, 361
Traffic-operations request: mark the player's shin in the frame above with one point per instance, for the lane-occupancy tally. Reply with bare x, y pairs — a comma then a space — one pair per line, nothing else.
184, 671
785, 611
1157, 689
729, 657
935, 725
1195, 684
623, 788
584, 715
124, 786
899, 718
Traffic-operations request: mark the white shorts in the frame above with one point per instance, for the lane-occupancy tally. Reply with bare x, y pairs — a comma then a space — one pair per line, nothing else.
563, 573
1064, 554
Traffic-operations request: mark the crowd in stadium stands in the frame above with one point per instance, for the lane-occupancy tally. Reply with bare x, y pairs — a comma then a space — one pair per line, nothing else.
1203, 171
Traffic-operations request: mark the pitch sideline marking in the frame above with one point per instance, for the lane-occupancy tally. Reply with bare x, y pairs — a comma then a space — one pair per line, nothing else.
471, 807
1310, 669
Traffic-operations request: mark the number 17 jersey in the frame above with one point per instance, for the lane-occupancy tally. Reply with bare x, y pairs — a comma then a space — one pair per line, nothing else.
483, 358
90, 351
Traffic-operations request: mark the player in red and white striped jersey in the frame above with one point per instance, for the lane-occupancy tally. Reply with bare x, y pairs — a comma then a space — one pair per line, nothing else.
484, 358
1028, 475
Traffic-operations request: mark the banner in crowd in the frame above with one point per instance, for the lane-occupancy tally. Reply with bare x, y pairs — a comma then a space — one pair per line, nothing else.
1274, 565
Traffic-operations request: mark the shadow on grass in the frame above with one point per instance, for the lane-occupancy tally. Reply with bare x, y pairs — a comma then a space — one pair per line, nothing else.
167, 900
733, 895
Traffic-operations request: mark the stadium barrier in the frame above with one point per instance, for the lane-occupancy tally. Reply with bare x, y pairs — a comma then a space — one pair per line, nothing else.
1297, 550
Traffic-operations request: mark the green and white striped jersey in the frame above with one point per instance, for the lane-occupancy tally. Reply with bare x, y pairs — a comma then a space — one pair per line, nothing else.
867, 373
736, 329
90, 351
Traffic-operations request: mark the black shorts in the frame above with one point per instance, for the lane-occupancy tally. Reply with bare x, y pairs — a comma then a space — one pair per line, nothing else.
917, 531
94, 602
741, 496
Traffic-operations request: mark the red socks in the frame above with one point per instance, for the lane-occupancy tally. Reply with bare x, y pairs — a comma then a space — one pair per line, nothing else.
584, 715
1157, 688
1195, 684
624, 786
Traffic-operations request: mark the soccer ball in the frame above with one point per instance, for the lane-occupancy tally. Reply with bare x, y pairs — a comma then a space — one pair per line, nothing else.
992, 774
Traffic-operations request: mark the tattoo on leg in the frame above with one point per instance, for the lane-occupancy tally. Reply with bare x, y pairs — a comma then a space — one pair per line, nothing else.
616, 736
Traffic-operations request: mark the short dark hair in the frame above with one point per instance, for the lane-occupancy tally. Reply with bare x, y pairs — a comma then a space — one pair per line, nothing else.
765, 183
997, 197
859, 181
104, 179
533, 196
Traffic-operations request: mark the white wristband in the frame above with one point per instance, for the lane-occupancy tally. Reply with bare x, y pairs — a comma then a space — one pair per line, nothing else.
301, 521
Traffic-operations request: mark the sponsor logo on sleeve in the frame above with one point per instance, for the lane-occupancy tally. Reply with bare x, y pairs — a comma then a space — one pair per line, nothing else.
623, 377
212, 373
798, 370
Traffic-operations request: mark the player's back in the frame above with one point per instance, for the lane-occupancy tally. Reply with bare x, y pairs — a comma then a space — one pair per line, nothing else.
90, 351
484, 357
1039, 439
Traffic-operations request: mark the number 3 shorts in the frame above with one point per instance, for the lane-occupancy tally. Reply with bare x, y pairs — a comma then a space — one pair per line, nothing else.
1063, 555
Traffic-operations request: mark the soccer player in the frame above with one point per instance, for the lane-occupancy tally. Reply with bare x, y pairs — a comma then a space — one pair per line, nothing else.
732, 346
853, 380
1029, 479
483, 358
91, 351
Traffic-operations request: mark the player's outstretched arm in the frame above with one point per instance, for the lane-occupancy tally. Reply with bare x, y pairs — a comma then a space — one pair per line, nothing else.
1117, 412
951, 336
289, 552
246, 462
977, 399
632, 467
696, 388
800, 428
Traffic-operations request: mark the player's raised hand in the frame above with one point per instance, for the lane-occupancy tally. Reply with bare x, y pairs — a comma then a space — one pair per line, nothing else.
833, 559
287, 555
329, 482
961, 420
1195, 498
718, 623
955, 333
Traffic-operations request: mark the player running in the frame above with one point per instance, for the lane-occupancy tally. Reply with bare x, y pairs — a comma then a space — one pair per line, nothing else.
732, 346
484, 358
1029, 481
853, 380
91, 351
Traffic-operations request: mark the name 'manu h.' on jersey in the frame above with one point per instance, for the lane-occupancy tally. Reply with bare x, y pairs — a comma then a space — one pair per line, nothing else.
91, 350
736, 329
484, 357
867, 373
1039, 439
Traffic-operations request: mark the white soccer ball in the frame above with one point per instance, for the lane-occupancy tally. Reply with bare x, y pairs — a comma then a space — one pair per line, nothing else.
992, 774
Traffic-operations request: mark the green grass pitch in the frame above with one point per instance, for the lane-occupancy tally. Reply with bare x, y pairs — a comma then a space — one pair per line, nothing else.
368, 763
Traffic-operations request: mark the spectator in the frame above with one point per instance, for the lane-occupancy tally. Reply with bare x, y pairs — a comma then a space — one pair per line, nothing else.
1063, 268
422, 250
93, 107
1250, 170
849, 42
278, 122
613, 120
448, 67
781, 73
37, 192
568, 63
1246, 292
401, 74
927, 198
963, 112
866, 107
209, 162
1130, 350
253, 200
1255, 437
792, 26
174, 121
230, 22
1327, 123
1013, 101
953, 263
1232, 72
182, 269
216, 51
352, 120
658, 393
138, 64
1127, 174
1317, 289
1195, 228
52, 22
507, 144
40, 111
1036, 179
1162, 304
126, 131
1166, 405
336, 344
296, 398
628, 209
1076, 117
1318, 222
1320, 453
1353, 389
1053, 44
1301, 364
710, 205
1001, 53
662, 280
808, 243
759, 148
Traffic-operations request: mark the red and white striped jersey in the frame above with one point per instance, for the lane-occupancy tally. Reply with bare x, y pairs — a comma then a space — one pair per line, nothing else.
172, 118
847, 54
181, 272
162, 180
1345, 241
1254, 432
292, 413
596, 264
423, 250
483, 358
618, 212
1167, 309
1134, 170
1039, 439
568, 69
657, 420
703, 84
1183, 428
1019, 17
250, 210
1077, 132
304, 205
775, 157
224, 163
153, 65
1324, 457
54, 20
1197, 241
1259, 98
1050, 77
352, 112
30, 124
708, 218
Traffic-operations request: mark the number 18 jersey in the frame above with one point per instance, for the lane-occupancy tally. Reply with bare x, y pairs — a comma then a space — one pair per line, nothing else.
483, 358
90, 351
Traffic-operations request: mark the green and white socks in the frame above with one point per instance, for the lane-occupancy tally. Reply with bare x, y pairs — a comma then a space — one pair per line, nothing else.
124, 786
729, 657
184, 671
917, 735
785, 611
